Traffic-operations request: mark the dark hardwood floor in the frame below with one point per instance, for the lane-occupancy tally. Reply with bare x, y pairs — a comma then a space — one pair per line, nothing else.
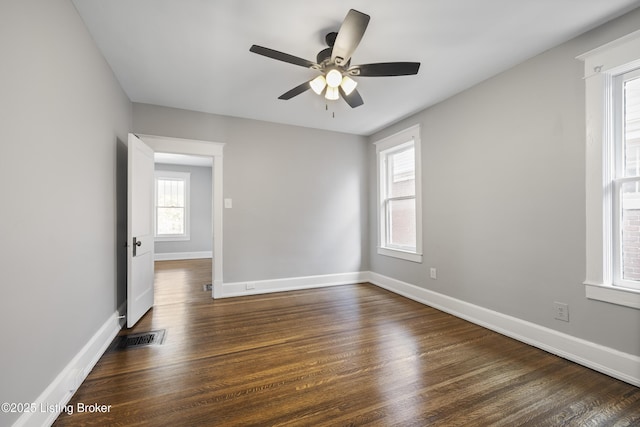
340, 356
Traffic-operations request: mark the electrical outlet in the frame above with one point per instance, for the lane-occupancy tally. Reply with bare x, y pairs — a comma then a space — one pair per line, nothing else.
561, 311
250, 286
433, 273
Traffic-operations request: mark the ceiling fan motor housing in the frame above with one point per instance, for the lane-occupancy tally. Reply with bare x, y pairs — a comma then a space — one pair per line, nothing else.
330, 38
323, 55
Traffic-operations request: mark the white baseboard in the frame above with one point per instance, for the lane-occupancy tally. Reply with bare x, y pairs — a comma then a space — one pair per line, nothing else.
236, 289
175, 256
614, 363
54, 399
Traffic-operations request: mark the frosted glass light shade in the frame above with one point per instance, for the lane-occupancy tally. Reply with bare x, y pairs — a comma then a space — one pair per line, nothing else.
348, 85
334, 78
318, 84
332, 93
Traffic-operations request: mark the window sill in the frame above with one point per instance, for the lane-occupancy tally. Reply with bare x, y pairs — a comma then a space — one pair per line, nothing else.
172, 238
613, 294
409, 256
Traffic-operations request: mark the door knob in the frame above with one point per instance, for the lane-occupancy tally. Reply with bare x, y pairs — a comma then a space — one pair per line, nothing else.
136, 244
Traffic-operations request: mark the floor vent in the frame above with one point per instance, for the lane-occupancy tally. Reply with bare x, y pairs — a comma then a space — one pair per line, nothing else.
207, 287
137, 340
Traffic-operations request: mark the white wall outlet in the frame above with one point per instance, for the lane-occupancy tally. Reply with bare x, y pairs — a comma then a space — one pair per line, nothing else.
433, 273
228, 203
250, 286
561, 311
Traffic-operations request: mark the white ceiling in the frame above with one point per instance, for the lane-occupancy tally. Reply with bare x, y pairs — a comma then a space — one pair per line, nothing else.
194, 54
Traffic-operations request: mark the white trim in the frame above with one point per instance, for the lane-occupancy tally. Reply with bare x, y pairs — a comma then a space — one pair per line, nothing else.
257, 287
617, 364
165, 144
601, 65
209, 149
391, 140
62, 388
613, 294
396, 253
611, 55
408, 136
218, 211
175, 256
169, 238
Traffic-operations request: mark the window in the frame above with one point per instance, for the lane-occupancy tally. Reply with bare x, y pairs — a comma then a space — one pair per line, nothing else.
612, 78
626, 180
172, 206
399, 216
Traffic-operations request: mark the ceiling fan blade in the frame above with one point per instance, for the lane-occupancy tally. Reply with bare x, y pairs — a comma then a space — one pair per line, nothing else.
281, 56
353, 99
385, 69
349, 36
295, 91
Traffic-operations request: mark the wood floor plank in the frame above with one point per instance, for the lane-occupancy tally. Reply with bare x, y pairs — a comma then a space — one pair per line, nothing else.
346, 355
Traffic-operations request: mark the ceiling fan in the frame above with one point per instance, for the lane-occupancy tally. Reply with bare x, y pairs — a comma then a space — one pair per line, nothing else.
334, 63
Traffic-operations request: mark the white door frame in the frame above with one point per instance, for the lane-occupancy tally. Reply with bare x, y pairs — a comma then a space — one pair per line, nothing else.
162, 144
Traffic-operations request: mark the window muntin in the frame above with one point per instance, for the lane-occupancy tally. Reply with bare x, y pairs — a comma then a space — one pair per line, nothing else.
172, 206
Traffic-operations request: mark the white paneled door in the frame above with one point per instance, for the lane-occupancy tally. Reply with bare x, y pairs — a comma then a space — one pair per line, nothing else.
140, 191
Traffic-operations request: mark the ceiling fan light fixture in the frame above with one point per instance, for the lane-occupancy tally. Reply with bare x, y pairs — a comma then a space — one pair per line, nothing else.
332, 93
348, 85
318, 84
334, 78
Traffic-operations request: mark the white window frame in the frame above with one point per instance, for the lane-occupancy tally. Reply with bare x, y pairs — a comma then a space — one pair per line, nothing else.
179, 176
384, 147
619, 179
602, 66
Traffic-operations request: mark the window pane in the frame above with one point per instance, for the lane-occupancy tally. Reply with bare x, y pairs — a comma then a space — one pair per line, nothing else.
632, 127
402, 223
170, 221
402, 175
630, 231
171, 193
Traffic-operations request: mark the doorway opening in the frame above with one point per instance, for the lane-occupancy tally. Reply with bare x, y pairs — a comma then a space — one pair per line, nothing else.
183, 221
211, 153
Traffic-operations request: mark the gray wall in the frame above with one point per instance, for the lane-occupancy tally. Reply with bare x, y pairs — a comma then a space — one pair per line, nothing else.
504, 196
200, 212
299, 195
63, 122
